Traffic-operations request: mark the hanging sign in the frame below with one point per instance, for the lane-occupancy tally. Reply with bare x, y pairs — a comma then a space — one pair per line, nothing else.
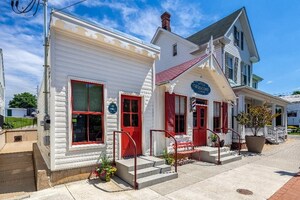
112, 108
200, 87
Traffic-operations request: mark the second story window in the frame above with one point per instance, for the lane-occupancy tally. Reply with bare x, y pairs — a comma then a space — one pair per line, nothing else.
255, 84
229, 66
174, 49
244, 74
236, 36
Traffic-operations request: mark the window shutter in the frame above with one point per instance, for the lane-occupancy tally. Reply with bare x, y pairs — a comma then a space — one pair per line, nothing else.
242, 40
225, 117
242, 75
236, 63
249, 74
226, 66
170, 113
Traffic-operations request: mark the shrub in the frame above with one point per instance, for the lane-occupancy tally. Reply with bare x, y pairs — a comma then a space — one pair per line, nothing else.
8, 125
169, 160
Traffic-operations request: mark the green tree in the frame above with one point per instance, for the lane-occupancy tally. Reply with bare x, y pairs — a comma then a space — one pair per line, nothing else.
23, 100
296, 92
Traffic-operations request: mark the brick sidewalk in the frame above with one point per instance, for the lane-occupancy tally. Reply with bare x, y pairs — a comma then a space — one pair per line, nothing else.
289, 191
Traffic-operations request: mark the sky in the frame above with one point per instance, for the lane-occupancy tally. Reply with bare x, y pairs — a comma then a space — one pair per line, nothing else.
275, 25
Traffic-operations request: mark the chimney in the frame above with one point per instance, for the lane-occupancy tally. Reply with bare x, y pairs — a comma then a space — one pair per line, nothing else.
165, 21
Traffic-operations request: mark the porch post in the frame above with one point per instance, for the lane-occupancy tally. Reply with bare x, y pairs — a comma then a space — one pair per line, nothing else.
274, 121
241, 103
241, 108
284, 116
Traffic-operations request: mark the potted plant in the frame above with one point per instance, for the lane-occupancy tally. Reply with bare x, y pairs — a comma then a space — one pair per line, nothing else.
257, 117
106, 170
169, 160
213, 139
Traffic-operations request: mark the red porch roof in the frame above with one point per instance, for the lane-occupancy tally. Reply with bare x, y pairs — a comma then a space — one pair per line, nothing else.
173, 72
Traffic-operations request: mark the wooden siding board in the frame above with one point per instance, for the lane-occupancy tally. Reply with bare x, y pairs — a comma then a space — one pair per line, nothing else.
119, 72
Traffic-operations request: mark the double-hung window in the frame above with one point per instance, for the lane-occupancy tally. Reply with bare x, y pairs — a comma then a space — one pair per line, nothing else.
180, 114
246, 71
229, 65
217, 117
87, 112
175, 113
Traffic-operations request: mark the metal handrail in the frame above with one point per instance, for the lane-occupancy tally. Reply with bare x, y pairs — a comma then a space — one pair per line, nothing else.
169, 134
135, 154
218, 137
230, 129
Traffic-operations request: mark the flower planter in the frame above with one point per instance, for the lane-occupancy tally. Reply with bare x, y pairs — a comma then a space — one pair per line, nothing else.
255, 144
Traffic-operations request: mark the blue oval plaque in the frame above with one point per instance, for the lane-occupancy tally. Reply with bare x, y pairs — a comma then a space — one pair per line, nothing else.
112, 108
200, 87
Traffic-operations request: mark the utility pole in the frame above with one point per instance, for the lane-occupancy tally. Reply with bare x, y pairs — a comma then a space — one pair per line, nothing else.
46, 65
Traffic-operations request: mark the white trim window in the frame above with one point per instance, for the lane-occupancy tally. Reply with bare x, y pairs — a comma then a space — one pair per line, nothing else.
245, 74
229, 68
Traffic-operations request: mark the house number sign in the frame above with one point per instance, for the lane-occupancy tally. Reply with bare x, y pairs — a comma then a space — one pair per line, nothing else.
112, 108
200, 87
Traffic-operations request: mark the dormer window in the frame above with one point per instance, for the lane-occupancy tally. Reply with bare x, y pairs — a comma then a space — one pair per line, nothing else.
174, 49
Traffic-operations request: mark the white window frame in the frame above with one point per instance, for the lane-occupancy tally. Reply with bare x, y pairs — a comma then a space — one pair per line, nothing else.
72, 147
229, 56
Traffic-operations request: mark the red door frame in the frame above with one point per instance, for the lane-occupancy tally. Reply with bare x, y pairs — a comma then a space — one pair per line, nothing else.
199, 132
127, 148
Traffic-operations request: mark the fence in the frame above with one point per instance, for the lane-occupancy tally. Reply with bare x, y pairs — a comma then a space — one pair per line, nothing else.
15, 122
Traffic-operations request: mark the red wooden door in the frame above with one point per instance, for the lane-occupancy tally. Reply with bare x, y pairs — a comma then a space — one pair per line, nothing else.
131, 122
200, 125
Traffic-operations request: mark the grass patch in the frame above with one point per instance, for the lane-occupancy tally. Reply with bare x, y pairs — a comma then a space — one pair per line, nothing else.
20, 122
296, 133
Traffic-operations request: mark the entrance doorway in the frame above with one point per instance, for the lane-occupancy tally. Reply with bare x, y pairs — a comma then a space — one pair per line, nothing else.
200, 125
131, 122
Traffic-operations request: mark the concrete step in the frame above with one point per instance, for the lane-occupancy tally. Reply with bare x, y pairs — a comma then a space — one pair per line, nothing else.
150, 170
223, 154
141, 173
155, 179
213, 150
229, 159
142, 162
210, 154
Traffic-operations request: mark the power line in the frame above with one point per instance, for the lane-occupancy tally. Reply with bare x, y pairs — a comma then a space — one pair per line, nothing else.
74, 4
19, 9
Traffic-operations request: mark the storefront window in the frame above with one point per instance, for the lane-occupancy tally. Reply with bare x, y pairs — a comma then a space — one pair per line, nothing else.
180, 113
217, 117
87, 112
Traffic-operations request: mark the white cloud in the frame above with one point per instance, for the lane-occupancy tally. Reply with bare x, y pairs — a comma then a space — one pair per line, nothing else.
269, 82
144, 23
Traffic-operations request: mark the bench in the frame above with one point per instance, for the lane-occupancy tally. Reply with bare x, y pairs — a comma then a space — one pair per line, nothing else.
184, 148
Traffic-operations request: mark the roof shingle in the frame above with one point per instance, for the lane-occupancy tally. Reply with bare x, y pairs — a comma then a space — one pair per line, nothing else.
218, 29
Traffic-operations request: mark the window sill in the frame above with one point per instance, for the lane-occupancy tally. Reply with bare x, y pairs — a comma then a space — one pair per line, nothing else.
86, 146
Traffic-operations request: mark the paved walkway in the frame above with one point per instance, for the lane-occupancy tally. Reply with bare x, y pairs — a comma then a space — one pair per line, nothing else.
260, 175
290, 190
16, 147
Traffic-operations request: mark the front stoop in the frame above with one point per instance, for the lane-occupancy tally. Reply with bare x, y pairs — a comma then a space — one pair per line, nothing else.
210, 154
150, 171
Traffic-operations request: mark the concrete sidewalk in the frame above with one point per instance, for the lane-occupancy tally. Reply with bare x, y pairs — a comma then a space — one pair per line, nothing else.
262, 175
